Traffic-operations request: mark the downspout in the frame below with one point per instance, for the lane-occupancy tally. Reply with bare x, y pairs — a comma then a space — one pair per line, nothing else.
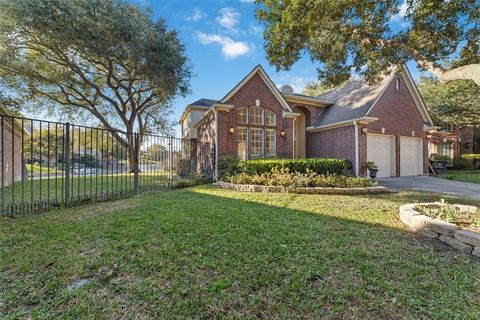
357, 149
215, 113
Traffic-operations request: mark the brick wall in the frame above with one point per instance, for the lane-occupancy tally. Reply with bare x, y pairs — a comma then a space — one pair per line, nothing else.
333, 143
12, 161
254, 89
398, 114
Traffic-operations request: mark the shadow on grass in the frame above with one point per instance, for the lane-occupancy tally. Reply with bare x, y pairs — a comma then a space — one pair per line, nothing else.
207, 253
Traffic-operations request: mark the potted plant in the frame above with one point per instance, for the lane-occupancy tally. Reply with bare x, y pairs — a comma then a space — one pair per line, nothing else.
372, 168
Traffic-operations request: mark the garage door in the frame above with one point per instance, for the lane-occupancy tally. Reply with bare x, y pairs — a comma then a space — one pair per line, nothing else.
411, 156
381, 150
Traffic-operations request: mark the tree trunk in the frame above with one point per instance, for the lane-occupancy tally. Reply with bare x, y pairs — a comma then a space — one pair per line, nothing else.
131, 153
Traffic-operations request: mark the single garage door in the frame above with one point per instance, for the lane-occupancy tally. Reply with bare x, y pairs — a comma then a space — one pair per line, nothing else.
381, 150
411, 156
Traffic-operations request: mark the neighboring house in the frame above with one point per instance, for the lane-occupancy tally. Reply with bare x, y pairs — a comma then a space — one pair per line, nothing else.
11, 166
453, 141
386, 123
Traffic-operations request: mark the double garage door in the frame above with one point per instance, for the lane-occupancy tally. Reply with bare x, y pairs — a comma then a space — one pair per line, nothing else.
381, 150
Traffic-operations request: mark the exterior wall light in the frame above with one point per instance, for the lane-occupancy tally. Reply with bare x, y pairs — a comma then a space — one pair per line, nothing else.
231, 130
282, 134
365, 130
429, 137
383, 130
413, 133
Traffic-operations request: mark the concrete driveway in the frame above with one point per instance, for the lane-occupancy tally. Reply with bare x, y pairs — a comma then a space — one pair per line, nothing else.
432, 184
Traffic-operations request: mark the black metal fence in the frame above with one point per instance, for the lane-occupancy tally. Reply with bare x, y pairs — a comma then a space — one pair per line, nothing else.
47, 164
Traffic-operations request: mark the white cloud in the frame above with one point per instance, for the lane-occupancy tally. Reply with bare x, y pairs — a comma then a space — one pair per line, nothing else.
247, 1
228, 18
402, 11
230, 49
196, 15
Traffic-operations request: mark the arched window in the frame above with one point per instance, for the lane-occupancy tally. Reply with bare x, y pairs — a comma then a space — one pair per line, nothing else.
256, 133
270, 119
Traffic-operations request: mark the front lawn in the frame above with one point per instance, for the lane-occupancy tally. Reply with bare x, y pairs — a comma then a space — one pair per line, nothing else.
462, 175
204, 252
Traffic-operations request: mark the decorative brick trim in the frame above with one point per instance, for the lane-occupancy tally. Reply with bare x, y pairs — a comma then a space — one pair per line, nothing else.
465, 241
302, 190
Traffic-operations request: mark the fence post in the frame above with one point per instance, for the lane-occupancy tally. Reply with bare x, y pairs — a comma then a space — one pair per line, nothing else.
170, 172
66, 163
136, 150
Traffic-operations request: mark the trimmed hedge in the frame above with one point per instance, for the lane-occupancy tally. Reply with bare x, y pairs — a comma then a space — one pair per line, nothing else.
317, 165
471, 156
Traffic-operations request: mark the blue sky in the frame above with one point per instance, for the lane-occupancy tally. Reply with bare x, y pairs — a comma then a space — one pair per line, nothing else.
224, 42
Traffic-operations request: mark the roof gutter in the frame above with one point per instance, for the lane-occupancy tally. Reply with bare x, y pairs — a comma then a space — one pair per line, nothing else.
361, 120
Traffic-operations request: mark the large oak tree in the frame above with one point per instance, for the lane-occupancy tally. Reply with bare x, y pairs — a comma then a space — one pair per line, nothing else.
348, 35
104, 58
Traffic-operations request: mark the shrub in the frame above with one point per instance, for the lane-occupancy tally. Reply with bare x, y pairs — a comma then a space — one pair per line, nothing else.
316, 165
471, 156
227, 166
283, 177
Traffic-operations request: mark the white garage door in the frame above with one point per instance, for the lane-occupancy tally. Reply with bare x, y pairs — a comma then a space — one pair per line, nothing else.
381, 150
411, 156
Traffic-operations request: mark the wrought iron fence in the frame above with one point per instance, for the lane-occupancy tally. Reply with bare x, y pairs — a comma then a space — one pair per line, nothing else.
47, 164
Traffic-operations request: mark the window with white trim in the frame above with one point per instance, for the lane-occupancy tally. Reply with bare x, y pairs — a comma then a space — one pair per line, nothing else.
270, 142
445, 149
270, 119
257, 142
256, 115
243, 115
242, 143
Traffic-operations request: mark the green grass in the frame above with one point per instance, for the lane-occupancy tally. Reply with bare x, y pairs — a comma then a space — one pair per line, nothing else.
462, 175
204, 252
80, 186
37, 168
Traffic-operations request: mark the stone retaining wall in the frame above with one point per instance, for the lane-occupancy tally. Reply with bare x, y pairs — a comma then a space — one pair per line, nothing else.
465, 241
308, 190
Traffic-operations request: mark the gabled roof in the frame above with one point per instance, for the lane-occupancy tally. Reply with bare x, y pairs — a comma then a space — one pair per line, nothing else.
356, 99
261, 72
201, 104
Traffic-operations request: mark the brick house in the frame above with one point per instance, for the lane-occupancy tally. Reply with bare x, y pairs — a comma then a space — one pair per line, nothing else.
386, 123
10, 150
453, 141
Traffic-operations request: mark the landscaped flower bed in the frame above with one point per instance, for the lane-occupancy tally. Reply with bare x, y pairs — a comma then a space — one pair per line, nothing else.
282, 180
285, 178
456, 225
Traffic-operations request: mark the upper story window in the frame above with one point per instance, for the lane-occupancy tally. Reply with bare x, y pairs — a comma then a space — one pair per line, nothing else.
243, 115
397, 83
256, 115
270, 119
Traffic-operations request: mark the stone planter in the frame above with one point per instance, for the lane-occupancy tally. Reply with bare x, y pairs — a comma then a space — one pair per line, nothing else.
301, 190
465, 241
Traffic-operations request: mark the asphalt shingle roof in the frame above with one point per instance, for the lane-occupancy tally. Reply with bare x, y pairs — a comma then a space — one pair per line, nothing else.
351, 101
204, 102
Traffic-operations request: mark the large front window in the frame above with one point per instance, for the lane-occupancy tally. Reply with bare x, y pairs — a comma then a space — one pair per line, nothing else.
256, 133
